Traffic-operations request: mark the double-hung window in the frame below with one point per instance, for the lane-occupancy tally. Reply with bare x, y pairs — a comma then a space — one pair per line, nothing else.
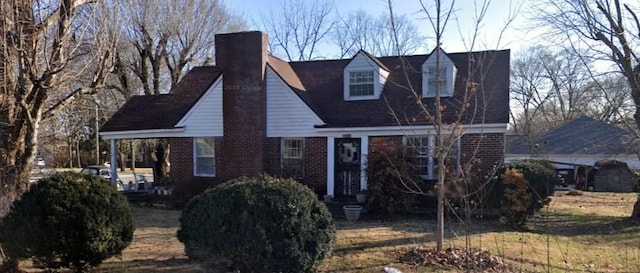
433, 77
204, 156
361, 83
420, 148
438, 71
293, 157
452, 159
424, 150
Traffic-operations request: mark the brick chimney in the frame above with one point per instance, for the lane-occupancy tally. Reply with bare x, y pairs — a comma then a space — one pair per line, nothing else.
242, 58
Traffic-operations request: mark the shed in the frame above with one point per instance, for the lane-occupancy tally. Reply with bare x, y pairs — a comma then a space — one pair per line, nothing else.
613, 176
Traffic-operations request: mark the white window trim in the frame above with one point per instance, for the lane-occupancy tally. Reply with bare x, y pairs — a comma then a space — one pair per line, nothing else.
347, 85
195, 158
372, 83
447, 89
282, 150
431, 153
379, 77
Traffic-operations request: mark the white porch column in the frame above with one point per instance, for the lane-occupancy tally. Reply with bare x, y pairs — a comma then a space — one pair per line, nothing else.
364, 152
330, 166
114, 162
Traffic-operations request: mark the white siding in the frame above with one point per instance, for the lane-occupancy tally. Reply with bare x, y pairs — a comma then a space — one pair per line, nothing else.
451, 71
204, 119
361, 62
287, 114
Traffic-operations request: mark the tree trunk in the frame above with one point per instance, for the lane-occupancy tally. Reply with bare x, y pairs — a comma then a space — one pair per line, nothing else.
636, 209
14, 182
123, 161
160, 156
18, 123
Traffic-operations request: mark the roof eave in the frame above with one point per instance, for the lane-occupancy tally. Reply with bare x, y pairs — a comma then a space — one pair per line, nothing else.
142, 134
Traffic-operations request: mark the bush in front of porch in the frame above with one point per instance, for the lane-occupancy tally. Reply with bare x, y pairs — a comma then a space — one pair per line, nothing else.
391, 178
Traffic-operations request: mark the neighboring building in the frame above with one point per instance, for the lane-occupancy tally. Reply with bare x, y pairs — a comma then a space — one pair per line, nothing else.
253, 113
613, 176
575, 147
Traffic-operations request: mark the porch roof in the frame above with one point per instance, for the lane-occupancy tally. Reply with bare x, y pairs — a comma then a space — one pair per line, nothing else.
156, 116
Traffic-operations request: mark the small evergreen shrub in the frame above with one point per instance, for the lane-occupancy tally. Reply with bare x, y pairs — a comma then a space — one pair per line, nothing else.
262, 224
69, 221
516, 196
388, 166
521, 189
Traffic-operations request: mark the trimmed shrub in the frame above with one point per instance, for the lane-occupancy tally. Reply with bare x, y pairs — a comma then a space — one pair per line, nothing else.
521, 189
262, 224
67, 220
388, 166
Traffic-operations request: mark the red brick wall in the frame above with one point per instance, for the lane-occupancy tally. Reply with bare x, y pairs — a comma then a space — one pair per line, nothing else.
181, 159
482, 152
242, 59
315, 164
272, 156
315, 161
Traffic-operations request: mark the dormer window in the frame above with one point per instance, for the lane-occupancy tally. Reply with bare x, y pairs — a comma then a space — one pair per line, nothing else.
364, 78
361, 83
433, 78
438, 71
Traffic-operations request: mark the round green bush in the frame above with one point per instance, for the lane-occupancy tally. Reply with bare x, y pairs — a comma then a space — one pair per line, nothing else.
262, 224
67, 220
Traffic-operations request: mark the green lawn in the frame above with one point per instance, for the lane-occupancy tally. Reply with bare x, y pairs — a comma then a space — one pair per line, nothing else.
589, 233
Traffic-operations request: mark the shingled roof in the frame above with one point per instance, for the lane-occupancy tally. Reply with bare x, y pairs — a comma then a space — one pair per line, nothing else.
583, 135
147, 112
323, 80
320, 85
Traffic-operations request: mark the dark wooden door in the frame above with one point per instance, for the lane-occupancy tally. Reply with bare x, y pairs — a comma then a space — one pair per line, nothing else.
347, 166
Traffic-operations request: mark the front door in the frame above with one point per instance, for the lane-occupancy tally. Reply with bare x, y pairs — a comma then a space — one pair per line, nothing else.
347, 166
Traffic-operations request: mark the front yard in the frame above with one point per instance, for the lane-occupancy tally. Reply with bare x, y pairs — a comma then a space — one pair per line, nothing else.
589, 233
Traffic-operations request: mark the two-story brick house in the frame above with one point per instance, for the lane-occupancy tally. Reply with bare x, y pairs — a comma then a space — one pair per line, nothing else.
253, 113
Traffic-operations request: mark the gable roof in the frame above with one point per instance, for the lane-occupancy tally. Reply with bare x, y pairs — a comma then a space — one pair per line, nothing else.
319, 84
372, 58
148, 112
582, 135
286, 73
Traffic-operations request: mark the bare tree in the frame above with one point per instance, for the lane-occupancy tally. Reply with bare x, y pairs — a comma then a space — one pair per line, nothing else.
156, 55
608, 30
551, 89
603, 30
469, 105
153, 57
359, 30
298, 28
52, 53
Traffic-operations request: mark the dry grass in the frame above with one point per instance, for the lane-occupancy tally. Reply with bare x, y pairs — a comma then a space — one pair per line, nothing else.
155, 247
589, 233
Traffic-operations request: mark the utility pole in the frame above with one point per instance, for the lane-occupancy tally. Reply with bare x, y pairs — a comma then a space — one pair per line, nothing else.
97, 138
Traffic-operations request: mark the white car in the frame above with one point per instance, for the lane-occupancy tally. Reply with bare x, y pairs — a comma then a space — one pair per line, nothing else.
39, 162
99, 170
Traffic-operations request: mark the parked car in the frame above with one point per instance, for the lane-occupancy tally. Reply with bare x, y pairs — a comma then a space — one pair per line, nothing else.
39, 162
99, 170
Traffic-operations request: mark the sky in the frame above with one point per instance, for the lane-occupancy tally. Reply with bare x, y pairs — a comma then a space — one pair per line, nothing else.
457, 35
